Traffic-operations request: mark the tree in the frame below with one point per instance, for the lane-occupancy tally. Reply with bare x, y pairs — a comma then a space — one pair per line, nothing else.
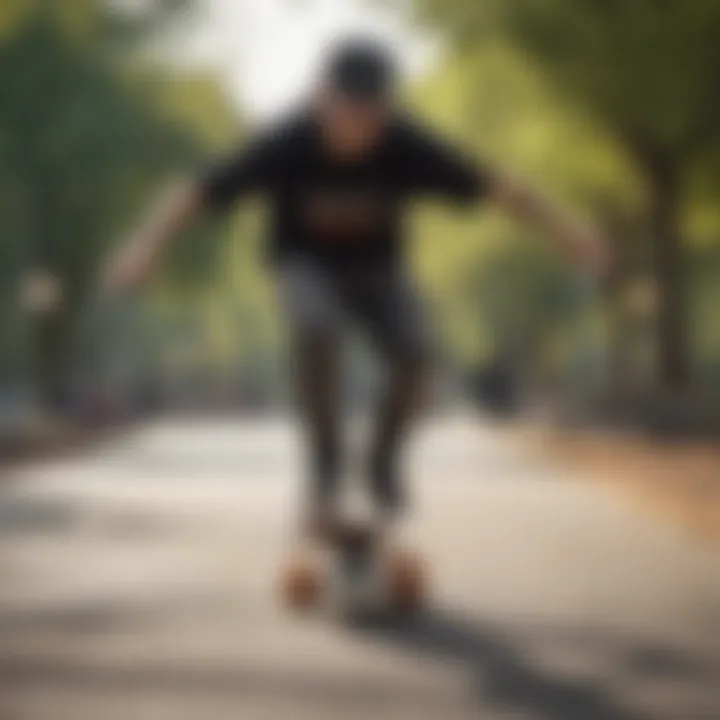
648, 71
83, 142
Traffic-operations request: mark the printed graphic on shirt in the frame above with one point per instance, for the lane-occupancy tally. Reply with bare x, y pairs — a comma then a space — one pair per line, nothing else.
345, 213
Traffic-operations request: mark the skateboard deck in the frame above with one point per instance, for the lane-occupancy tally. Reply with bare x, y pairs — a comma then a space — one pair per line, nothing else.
355, 567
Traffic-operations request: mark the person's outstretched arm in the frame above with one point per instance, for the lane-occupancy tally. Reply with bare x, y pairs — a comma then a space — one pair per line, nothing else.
437, 167
254, 168
578, 240
138, 257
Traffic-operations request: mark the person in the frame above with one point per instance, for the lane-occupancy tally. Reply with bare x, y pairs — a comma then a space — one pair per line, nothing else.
339, 173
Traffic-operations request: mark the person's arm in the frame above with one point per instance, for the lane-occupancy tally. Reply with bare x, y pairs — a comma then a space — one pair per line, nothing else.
577, 239
441, 169
138, 257
253, 168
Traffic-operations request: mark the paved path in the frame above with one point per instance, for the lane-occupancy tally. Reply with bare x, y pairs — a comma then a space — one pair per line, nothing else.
138, 582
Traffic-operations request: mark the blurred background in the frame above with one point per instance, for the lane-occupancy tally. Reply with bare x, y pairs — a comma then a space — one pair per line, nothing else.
569, 605
611, 108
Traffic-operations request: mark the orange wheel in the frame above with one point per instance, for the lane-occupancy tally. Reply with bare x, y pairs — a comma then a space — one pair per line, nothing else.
407, 581
301, 584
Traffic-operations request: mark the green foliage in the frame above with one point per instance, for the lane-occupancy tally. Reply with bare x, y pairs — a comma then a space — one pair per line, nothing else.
88, 131
496, 287
646, 66
644, 73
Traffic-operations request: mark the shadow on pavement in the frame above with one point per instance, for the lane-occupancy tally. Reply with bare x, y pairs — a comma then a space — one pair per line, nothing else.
501, 675
504, 678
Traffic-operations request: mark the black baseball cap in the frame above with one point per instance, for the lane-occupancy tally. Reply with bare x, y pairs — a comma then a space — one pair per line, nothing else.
363, 70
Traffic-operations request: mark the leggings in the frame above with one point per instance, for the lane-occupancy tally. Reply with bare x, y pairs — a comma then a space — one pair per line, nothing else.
321, 304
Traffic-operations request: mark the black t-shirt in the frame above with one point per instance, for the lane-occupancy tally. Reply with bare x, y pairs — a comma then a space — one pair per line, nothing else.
343, 213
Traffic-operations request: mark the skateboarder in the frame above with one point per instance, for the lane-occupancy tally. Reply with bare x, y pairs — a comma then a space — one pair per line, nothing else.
339, 173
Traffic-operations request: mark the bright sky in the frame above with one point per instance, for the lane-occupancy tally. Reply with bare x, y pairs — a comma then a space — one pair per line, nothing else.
267, 51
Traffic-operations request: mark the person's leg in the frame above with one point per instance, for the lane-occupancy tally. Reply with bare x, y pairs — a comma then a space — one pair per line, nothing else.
400, 405
393, 314
312, 307
316, 378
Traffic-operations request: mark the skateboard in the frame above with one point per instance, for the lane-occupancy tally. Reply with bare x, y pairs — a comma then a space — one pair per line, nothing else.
355, 571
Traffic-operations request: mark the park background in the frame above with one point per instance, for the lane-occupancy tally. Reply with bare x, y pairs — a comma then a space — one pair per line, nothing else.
566, 485
611, 107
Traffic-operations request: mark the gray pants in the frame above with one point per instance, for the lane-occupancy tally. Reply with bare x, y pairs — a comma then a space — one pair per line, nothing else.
320, 305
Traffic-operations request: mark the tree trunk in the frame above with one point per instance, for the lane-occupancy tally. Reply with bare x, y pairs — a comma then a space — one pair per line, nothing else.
672, 320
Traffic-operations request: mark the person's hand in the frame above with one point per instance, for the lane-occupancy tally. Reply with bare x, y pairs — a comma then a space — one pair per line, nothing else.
130, 268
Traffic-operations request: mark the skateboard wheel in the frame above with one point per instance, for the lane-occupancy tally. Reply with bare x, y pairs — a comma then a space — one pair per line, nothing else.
407, 581
301, 585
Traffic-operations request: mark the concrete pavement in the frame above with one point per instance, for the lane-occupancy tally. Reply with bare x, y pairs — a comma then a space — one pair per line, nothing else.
139, 581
